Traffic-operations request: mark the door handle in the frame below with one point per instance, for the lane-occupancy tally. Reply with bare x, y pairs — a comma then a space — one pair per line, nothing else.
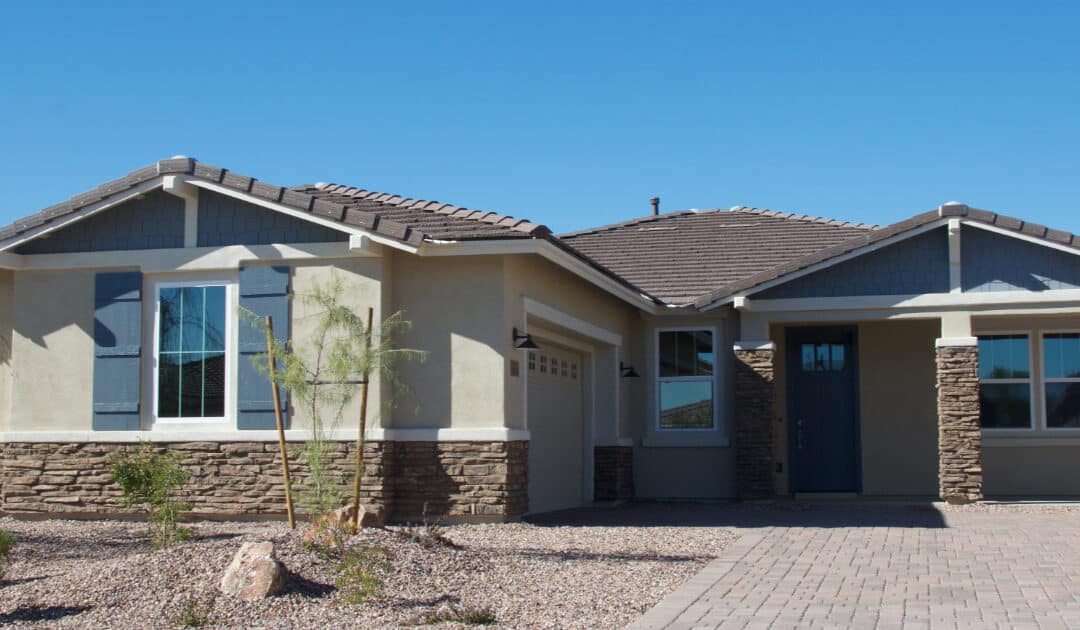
798, 434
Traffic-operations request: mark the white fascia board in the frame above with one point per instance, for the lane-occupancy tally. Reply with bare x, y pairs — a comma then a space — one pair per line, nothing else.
550, 252
481, 434
826, 264
300, 214
9, 260
1023, 237
92, 209
929, 301
580, 326
190, 259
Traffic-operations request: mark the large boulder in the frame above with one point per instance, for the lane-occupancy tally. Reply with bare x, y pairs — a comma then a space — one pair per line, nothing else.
339, 522
254, 573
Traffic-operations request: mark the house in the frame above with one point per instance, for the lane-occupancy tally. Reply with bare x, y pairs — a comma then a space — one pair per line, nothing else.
732, 353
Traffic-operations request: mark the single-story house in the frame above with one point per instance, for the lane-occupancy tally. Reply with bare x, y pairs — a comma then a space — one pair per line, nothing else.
735, 353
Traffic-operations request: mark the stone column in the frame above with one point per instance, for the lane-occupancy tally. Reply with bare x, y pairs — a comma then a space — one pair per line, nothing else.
613, 473
754, 418
960, 476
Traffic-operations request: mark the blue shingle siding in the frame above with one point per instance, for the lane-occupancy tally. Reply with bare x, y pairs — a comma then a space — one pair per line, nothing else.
117, 350
913, 266
153, 222
224, 220
263, 291
994, 262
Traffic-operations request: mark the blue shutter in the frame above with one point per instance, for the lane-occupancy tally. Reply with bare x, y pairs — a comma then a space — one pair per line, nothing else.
117, 350
263, 291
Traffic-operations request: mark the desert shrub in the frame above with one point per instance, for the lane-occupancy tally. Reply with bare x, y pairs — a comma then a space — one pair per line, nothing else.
7, 541
196, 614
360, 572
427, 535
460, 614
152, 480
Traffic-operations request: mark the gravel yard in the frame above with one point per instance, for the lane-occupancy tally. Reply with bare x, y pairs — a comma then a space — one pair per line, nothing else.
77, 574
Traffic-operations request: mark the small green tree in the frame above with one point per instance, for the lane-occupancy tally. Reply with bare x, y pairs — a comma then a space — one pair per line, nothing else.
322, 371
7, 541
152, 480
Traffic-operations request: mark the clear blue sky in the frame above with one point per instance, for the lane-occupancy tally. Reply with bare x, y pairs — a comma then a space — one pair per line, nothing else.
571, 114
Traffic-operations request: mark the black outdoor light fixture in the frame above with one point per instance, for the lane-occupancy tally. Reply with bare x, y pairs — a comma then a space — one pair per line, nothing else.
627, 371
524, 342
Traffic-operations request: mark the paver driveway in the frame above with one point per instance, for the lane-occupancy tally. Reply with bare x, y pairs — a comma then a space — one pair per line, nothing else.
866, 566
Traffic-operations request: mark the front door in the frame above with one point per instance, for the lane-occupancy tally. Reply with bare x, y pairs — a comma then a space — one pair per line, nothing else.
823, 416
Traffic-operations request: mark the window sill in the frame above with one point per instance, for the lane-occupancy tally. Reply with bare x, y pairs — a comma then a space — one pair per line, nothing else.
687, 439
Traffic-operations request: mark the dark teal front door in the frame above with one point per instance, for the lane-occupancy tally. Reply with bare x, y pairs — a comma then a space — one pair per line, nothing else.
823, 404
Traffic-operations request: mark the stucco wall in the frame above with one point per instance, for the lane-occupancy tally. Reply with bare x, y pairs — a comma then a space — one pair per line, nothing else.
360, 280
455, 305
53, 351
898, 407
1019, 471
7, 311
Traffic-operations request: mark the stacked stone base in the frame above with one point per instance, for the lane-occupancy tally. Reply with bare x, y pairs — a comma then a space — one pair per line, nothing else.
754, 380
408, 480
959, 434
613, 473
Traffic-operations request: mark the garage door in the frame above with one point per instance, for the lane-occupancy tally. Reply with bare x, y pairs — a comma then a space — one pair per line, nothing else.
556, 456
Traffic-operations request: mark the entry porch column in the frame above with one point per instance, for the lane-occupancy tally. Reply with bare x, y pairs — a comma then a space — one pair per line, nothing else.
960, 473
754, 395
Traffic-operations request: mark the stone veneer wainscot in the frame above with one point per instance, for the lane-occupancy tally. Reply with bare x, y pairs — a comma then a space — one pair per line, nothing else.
754, 378
959, 435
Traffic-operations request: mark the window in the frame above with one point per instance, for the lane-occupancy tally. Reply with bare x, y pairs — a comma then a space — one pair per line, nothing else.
1005, 382
191, 342
822, 357
1061, 379
685, 360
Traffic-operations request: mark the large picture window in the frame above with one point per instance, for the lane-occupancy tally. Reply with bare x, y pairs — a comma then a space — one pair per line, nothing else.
1005, 381
685, 362
1061, 379
191, 351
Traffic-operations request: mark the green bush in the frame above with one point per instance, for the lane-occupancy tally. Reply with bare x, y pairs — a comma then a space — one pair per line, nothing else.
152, 480
360, 572
196, 614
459, 614
7, 541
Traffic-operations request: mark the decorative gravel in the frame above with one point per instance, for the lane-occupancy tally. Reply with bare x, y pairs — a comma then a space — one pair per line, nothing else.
103, 574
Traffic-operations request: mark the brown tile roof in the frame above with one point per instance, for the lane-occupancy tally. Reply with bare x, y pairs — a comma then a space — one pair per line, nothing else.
410, 221
680, 256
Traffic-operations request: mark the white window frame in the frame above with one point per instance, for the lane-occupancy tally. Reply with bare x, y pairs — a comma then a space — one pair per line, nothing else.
1043, 381
1029, 381
658, 380
231, 302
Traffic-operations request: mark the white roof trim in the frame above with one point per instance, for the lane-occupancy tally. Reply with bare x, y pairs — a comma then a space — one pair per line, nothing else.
92, 209
300, 214
903, 236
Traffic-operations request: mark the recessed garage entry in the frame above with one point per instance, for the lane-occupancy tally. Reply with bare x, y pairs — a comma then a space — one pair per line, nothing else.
556, 428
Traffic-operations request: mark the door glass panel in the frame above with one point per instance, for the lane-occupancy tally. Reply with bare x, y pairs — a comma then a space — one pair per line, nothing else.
836, 363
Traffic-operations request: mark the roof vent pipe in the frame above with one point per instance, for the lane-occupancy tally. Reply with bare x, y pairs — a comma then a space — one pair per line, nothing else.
655, 201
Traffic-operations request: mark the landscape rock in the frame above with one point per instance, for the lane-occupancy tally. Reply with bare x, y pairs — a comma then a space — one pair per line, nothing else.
254, 573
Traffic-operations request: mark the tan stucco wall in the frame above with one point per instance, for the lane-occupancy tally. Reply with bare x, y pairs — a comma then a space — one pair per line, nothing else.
455, 305
898, 407
361, 281
53, 351
7, 311
1019, 471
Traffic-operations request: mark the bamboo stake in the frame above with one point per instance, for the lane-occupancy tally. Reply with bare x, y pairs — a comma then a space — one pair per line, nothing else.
280, 423
359, 474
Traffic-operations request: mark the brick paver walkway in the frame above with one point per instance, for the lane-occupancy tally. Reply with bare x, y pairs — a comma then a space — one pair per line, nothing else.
853, 567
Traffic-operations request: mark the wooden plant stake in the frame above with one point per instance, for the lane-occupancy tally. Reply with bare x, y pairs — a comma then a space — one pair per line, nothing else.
280, 424
359, 474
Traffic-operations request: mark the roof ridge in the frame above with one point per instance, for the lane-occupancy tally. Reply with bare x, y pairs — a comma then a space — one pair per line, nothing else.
435, 207
803, 217
630, 222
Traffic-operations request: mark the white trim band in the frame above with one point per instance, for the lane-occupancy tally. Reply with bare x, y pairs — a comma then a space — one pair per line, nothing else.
495, 434
755, 345
964, 342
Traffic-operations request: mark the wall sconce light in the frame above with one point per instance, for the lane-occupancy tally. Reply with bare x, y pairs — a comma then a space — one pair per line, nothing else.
627, 371
524, 342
